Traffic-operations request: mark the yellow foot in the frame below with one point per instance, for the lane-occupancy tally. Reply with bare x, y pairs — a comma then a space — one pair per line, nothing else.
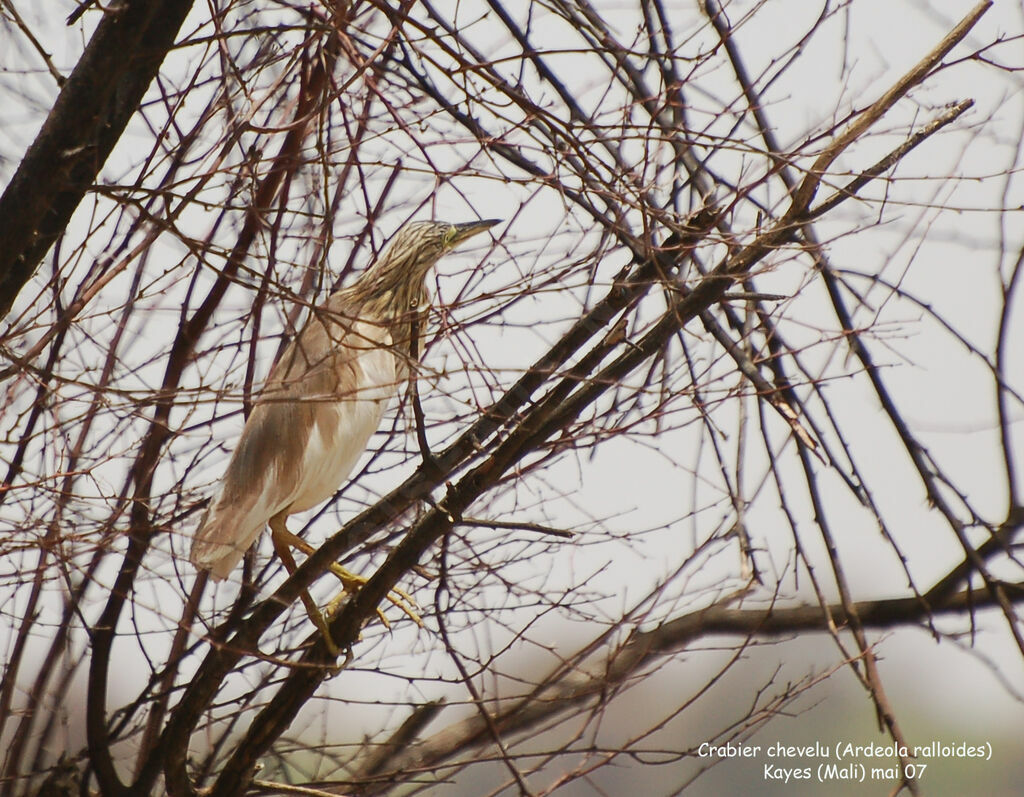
352, 583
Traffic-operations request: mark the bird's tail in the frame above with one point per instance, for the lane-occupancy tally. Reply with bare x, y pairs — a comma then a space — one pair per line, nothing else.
222, 539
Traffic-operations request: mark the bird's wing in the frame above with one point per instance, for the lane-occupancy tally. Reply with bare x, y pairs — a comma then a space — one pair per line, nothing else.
311, 397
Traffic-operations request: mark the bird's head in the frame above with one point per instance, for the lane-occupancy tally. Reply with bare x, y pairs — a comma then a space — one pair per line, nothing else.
396, 279
420, 243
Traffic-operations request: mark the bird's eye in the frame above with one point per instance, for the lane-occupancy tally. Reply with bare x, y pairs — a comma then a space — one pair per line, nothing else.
449, 235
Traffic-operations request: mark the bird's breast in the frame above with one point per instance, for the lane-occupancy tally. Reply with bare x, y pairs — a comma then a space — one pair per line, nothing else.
342, 428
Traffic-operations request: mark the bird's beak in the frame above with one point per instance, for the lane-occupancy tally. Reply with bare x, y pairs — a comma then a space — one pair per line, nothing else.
466, 230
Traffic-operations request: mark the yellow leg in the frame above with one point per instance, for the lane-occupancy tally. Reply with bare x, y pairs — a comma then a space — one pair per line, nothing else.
279, 535
350, 582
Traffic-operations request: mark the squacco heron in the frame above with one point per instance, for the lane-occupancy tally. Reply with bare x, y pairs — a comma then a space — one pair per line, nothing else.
321, 403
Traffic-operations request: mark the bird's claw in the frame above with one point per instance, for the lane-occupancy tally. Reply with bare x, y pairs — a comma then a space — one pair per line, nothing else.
351, 583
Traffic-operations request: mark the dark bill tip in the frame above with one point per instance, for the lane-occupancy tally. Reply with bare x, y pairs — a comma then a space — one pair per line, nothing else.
468, 229
476, 226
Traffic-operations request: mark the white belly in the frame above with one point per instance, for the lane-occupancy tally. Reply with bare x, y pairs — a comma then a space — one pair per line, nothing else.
349, 424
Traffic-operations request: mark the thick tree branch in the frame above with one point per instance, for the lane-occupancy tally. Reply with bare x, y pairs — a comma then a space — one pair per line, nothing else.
87, 120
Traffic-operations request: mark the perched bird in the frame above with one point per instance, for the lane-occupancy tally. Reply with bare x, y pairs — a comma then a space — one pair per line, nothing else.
323, 400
